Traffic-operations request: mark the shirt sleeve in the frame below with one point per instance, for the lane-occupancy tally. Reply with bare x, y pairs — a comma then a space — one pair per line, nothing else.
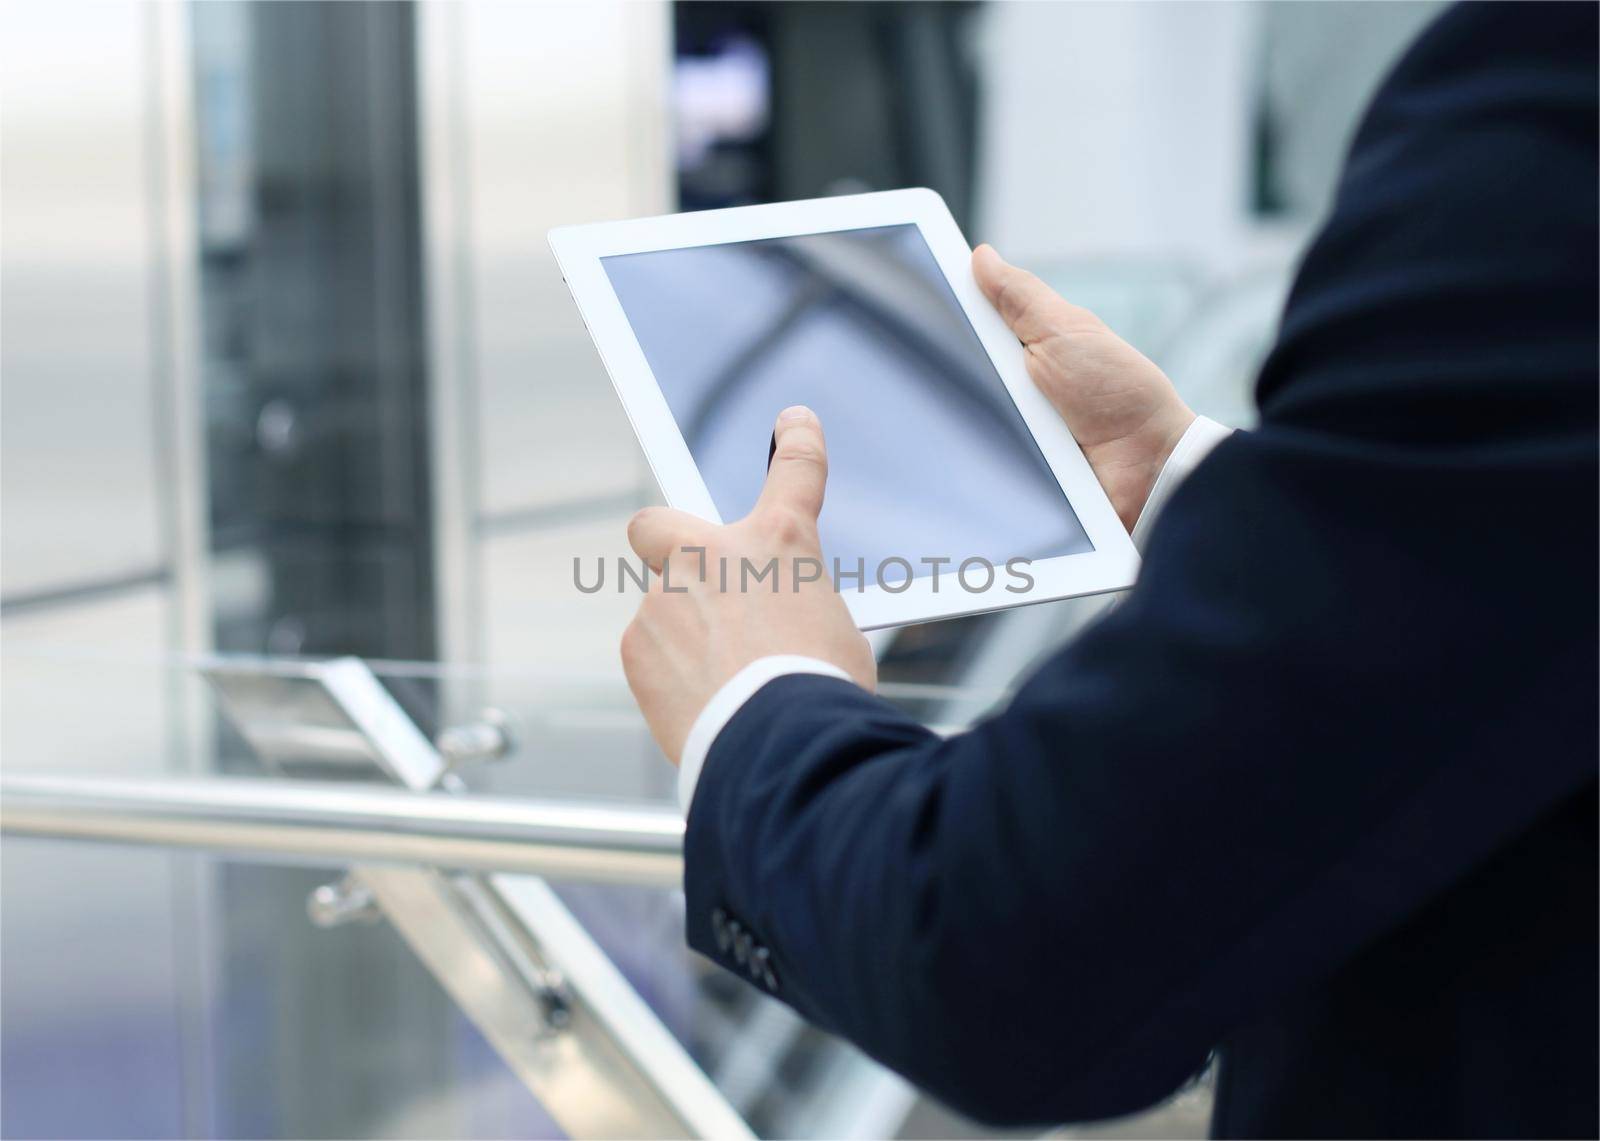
1203, 435
728, 700
1193, 446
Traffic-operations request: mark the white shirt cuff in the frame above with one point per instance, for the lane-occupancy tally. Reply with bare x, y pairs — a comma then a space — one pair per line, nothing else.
1193, 446
727, 701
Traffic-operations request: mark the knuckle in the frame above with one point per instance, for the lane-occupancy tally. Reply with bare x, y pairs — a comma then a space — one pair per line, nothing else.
803, 448
1072, 318
639, 520
787, 527
1005, 298
1011, 295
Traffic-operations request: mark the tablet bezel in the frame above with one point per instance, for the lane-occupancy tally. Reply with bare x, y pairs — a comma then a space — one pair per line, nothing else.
1112, 565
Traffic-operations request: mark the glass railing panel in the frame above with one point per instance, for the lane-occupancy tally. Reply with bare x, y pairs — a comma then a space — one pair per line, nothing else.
240, 978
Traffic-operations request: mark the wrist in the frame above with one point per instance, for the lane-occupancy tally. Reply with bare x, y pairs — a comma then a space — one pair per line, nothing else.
1177, 424
1129, 467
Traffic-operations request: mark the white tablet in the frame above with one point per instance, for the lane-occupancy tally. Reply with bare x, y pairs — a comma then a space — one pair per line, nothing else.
953, 486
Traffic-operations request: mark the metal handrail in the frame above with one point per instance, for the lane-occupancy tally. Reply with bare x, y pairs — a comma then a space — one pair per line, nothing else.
340, 823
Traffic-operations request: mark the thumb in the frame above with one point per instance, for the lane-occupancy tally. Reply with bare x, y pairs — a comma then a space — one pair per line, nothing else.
799, 469
1032, 309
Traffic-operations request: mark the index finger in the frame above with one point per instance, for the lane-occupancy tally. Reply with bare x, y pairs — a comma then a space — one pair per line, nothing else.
655, 533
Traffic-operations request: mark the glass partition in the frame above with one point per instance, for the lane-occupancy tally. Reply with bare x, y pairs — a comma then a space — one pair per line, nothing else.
235, 1014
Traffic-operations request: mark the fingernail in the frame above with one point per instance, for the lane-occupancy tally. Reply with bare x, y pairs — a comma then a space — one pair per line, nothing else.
796, 412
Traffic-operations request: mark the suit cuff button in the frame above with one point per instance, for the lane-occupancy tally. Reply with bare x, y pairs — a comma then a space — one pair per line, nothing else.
743, 944
761, 969
720, 930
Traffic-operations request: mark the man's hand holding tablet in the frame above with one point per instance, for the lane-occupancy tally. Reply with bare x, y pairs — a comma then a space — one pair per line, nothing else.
956, 487
1123, 411
687, 642
695, 630
683, 646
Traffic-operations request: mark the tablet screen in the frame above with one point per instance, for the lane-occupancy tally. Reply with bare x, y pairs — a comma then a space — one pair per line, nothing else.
928, 457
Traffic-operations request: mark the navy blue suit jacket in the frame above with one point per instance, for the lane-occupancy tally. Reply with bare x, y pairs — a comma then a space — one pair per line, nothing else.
1320, 794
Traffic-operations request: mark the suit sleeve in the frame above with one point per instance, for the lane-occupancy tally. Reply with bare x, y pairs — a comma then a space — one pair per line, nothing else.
1359, 659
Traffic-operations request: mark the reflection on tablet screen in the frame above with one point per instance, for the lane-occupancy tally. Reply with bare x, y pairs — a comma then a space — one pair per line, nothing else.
928, 456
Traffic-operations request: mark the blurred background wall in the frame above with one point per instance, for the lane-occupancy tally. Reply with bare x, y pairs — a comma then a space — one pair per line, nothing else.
286, 368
